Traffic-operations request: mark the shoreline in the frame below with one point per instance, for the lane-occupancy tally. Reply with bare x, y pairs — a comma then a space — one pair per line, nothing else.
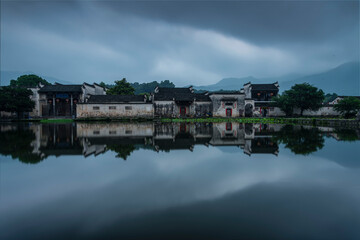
326, 122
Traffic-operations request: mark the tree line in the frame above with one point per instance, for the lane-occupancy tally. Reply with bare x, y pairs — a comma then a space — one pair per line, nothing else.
307, 97
122, 87
16, 96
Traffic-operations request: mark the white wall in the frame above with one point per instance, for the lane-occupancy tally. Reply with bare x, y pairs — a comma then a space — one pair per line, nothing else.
139, 110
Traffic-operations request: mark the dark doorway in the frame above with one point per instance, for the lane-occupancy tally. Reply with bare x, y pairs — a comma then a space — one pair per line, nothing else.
228, 112
264, 112
182, 111
248, 110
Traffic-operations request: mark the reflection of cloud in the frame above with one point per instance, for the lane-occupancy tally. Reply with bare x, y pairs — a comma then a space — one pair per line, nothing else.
109, 189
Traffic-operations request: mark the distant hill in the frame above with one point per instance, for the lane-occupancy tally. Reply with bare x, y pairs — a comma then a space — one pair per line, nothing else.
6, 76
343, 80
237, 83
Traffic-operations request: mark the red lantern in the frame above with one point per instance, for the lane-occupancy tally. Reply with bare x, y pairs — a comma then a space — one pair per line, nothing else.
50, 101
258, 94
75, 101
67, 100
57, 100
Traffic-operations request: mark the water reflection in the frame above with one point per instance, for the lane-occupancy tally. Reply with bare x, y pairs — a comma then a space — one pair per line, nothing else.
32, 143
179, 181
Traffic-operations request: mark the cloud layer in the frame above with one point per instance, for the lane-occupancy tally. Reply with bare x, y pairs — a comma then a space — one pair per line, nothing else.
186, 42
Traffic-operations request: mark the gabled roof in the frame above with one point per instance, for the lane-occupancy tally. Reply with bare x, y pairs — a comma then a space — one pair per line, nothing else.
270, 87
116, 99
178, 94
61, 88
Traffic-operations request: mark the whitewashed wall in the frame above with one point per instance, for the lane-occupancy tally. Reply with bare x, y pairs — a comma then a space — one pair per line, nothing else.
139, 110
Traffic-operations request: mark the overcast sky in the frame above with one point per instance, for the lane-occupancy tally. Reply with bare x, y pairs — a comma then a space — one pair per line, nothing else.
187, 42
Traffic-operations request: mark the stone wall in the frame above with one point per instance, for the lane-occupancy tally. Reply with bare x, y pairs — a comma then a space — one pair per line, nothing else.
116, 110
271, 112
172, 110
164, 109
201, 109
323, 111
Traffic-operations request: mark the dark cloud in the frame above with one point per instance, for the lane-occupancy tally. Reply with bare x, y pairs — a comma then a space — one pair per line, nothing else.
261, 22
184, 41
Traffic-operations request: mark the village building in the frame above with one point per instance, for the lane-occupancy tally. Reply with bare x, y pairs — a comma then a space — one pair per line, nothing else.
115, 106
180, 102
228, 103
258, 99
60, 100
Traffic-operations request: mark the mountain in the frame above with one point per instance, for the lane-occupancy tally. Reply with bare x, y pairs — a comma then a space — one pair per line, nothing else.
238, 83
6, 76
343, 80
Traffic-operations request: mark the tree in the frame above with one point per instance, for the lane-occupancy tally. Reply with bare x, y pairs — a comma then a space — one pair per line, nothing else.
28, 81
17, 144
348, 107
285, 103
121, 87
300, 140
149, 87
103, 84
123, 151
330, 97
302, 96
16, 100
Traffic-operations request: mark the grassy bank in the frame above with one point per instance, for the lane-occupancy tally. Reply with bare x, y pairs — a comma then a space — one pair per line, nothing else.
66, 120
333, 122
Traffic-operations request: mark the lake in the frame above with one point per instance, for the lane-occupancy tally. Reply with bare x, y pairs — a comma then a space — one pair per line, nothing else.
178, 181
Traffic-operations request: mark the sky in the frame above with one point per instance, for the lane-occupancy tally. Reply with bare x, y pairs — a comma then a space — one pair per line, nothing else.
187, 42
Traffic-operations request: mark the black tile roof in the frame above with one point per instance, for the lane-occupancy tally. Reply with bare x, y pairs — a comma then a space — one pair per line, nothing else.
61, 88
270, 86
202, 97
358, 97
115, 98
179, 94
226, 92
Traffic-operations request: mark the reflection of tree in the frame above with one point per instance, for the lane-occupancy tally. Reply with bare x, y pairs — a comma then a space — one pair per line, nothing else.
347, 135
17, 144
123, 151
300, 141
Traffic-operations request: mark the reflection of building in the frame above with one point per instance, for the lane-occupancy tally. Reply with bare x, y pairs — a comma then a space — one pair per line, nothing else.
92, 138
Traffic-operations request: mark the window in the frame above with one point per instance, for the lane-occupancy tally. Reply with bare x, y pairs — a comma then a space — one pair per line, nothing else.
96, 132
112, 107
96, 108
112, 132
228, 103
128, 131
128, 107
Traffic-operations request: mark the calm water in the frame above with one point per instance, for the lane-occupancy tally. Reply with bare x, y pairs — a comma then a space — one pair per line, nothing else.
178, 181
